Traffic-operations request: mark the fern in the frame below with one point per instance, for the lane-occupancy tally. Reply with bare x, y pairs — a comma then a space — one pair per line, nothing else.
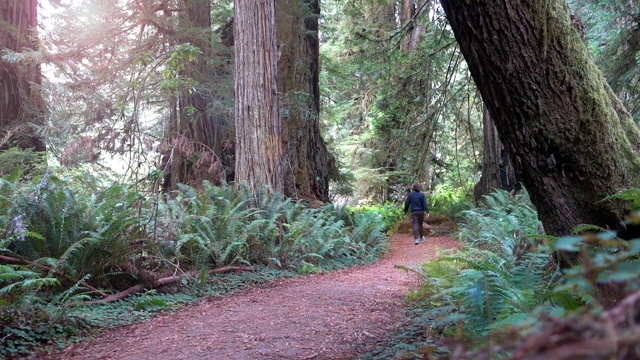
499, 277
631, 195
28, 284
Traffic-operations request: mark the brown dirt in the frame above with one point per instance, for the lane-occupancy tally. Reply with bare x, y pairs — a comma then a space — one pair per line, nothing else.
339, 315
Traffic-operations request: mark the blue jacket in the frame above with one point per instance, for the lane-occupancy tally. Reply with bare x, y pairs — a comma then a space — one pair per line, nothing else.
417, 201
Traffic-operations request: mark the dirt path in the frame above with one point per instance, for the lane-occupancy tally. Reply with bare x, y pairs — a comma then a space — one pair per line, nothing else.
329, 316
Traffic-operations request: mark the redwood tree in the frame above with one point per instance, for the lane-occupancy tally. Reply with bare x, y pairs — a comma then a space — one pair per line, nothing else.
567, 133
259, 136
20, 103
197, 131
308, 165
497, 170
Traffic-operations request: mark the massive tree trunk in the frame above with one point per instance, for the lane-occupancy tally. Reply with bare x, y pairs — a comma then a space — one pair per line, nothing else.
551, 108
498, 172
20, 104
308, 166
259, 137
196, 132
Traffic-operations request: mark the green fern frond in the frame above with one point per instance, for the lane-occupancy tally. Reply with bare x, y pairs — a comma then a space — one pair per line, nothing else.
588, 227
632, 195
28, 284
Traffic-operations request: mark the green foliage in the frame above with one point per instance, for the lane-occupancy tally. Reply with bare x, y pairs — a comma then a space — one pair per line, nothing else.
219, 226
504, 225
389, 213
451, 201
211, 227
607, 267
13, 160
397, 112
47, 223
173, 74
630, 195
151, 304
309, 268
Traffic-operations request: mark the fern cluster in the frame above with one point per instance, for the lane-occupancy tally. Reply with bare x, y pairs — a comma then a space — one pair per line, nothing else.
497, 279
47, 227
451, 201
47, 224
607, 267
225, 225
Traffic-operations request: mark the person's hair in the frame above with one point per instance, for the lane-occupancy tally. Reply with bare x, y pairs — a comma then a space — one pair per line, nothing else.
416, 187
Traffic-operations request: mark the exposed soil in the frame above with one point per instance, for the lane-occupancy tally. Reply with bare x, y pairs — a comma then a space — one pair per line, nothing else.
339, 315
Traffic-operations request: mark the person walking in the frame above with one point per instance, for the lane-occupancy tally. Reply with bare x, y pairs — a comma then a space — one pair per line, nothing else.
417, 203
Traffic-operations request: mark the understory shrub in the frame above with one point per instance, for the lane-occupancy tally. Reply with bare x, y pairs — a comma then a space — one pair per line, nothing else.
451, 201
218, 226
388, 214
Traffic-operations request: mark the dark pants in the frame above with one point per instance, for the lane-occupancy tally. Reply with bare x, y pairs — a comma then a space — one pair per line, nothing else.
417, 219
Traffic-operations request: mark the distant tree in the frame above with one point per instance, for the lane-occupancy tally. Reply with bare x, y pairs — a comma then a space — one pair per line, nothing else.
498, 172
307, 163
139, 76
115, 68
260, 141
199, 131
21, 103
612, 32
570, 137
400, 95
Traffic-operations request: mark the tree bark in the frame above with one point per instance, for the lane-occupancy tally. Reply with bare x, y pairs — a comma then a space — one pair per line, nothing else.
551, 108
498, 172
196, 133
418, 28
20, 103
259, 135
308, 164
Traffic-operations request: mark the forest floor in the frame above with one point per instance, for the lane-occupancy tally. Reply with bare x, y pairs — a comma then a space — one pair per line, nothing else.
337, 315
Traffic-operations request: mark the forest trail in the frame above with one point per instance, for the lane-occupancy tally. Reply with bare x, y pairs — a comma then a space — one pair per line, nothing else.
338, 315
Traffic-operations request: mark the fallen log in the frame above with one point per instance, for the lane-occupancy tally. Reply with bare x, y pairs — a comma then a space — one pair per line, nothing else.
156, 283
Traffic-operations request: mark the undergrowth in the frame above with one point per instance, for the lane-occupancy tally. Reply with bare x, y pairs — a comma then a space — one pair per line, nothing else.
388, 214
62, 245
451, 201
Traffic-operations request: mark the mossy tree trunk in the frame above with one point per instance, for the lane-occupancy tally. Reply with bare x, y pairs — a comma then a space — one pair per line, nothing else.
259, 136
307, 163
20, 103
567, 135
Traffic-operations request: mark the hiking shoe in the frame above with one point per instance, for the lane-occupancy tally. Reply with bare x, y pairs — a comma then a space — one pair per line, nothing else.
424, 238
418, 241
